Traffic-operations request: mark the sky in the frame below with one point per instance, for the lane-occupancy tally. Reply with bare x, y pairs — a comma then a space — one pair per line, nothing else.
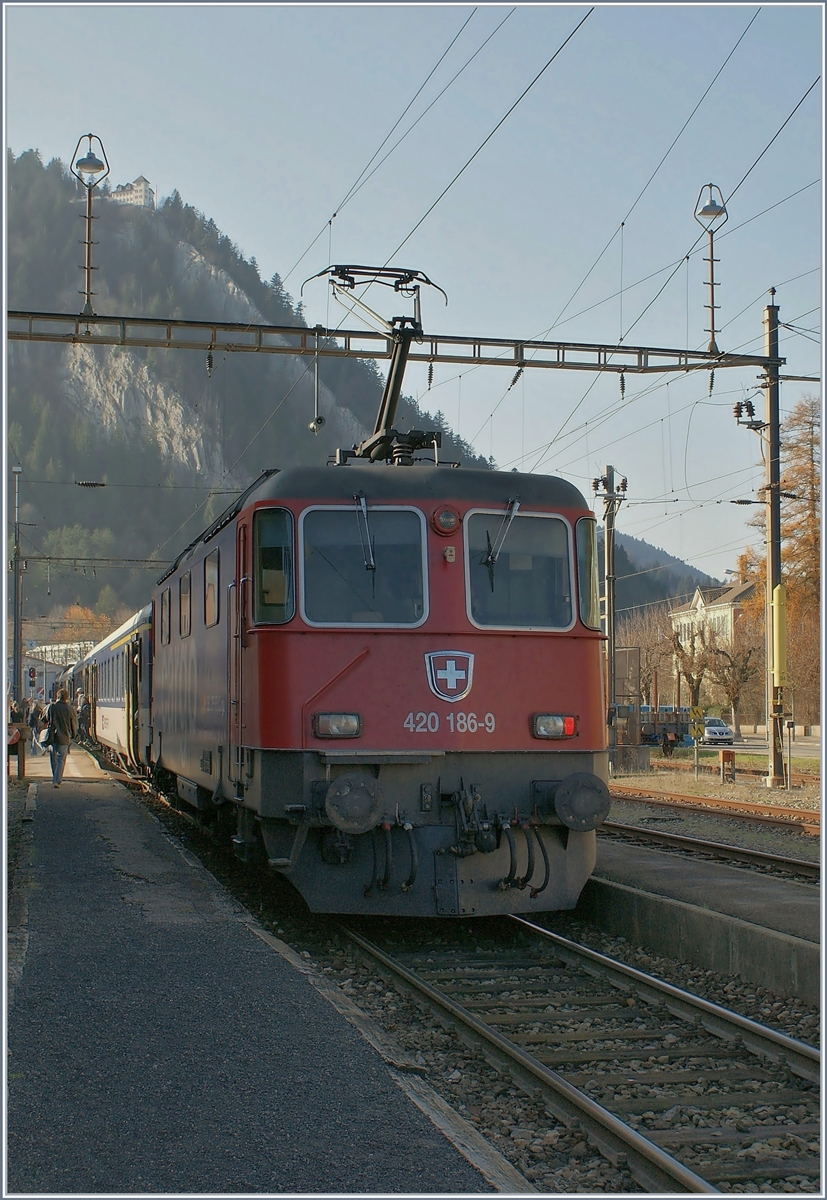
572, 222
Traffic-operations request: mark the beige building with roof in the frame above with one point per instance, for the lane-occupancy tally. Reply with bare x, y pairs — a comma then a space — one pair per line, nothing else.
713, 608
138, 193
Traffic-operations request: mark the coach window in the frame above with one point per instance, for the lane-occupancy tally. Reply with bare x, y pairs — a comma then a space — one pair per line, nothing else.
364, 566
165, 605
184, 608
587, 580
211, 589
519, 571
274, 592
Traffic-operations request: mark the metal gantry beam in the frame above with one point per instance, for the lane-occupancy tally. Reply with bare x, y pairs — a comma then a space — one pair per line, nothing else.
237, 337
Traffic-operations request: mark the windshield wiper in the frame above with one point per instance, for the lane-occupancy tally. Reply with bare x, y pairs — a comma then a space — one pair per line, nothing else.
493, 554
365, 539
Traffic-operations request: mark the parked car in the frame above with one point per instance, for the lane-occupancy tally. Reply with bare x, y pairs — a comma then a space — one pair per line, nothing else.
716, 732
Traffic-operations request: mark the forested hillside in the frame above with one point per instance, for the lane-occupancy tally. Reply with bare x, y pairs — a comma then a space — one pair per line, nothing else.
172, 443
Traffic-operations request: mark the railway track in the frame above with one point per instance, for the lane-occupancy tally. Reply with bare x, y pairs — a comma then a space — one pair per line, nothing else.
797, 778
719, 850
806, 820
683, 1092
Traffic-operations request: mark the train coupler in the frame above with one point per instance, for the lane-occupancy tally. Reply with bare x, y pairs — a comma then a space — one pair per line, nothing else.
475, 832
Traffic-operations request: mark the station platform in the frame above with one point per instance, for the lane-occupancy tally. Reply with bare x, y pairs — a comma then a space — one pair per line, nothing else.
761, 927
158, 1044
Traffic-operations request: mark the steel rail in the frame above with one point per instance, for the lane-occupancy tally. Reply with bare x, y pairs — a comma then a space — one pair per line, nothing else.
719, 849
790, 818
240, 337
803, 1060
651, 1166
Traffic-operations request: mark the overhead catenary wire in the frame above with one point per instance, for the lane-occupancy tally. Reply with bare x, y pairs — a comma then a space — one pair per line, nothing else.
357, 182
425, 111
645, 187
489, 136
700, 236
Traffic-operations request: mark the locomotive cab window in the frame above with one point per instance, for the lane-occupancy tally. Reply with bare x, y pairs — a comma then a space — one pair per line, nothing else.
165, 605
273, 541
211, 589
184, 605
364, 566
587, 580
519, 571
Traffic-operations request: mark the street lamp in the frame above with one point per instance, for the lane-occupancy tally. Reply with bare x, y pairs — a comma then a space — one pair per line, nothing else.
89, 171
711, 217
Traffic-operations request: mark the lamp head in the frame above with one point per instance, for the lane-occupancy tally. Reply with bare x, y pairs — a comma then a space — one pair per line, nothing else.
90, 164
714, 210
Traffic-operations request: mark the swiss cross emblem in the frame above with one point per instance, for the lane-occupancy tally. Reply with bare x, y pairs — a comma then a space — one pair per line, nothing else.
450, 673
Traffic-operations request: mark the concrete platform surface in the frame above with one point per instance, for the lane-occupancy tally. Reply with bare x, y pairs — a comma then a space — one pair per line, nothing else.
766, 900
157, 1045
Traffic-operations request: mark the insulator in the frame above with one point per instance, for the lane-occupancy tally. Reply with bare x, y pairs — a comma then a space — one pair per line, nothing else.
622, 385
430, 375
517, 375
623, 485
711, 381
737, 410
750, 407
209, 364
595, 484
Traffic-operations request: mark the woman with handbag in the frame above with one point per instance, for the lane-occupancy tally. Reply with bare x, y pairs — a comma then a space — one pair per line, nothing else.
63, 727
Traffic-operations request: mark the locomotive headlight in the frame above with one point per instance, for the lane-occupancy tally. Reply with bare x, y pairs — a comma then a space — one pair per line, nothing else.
446, 520
337, 725
553, 725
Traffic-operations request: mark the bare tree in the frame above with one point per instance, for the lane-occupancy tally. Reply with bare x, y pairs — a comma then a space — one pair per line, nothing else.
732, 668
648, 628
693, 660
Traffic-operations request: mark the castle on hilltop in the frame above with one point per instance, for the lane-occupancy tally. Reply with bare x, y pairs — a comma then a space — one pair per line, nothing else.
139, 193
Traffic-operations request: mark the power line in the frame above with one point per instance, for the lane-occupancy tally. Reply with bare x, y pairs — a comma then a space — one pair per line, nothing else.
487, 139
425, 112
652, 176
354, 187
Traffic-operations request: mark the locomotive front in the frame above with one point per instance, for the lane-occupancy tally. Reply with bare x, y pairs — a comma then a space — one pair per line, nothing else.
420, 723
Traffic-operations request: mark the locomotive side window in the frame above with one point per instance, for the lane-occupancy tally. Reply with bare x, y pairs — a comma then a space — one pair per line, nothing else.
587, 572
165, 598
519, 571
274, 600
184, 604
364, 566
211, 589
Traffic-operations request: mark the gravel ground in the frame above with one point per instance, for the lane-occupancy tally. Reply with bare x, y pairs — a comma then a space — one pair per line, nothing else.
731, 831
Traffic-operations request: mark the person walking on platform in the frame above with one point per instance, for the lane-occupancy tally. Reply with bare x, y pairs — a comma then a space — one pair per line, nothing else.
63, 726
35, 724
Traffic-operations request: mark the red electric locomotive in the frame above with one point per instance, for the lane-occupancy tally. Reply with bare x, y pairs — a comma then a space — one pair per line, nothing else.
385, 677
394, 677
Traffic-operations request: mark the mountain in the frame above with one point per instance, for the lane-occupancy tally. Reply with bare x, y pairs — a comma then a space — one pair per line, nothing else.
646, 575
172, 441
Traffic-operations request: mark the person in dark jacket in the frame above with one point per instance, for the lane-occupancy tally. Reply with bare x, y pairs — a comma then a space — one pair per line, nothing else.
35, 724
63, 727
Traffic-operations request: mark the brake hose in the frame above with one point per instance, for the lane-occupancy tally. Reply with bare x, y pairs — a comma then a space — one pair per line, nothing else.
512, 850
536, 891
